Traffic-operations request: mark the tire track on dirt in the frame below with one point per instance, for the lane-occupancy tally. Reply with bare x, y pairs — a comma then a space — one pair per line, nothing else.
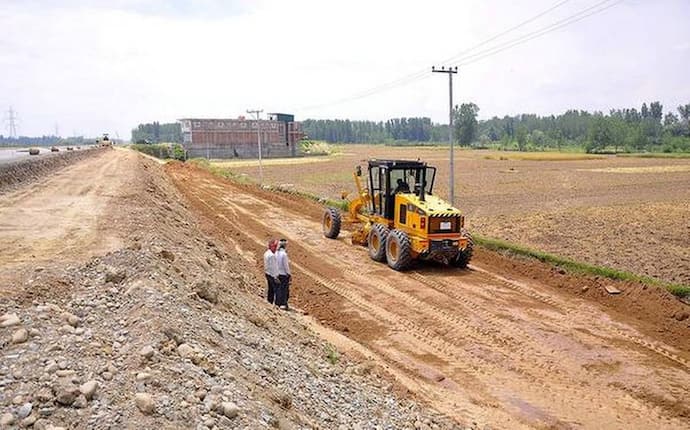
535, 374
567, 311
441, 347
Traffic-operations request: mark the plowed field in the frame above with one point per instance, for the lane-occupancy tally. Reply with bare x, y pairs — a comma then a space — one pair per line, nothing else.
626, 213
509, 344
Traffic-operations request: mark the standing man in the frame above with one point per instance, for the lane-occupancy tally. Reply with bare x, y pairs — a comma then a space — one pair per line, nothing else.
284, 275
271, 271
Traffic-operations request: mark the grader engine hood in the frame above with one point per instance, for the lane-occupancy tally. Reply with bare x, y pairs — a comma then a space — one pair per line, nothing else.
433, 206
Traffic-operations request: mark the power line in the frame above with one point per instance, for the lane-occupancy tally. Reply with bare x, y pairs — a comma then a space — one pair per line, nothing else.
462, 57
422, 73
579, 16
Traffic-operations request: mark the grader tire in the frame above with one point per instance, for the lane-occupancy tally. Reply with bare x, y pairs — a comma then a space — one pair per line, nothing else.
398, 250
463, 258
376, 242
331, 223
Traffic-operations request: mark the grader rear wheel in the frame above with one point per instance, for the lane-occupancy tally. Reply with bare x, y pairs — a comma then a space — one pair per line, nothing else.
398, 250
377, 242
331, 223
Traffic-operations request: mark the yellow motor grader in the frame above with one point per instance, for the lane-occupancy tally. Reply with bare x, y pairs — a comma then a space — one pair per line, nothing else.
400, 220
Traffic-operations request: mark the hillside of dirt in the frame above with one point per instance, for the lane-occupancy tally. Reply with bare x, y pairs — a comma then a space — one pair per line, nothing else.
509, 343
118, 311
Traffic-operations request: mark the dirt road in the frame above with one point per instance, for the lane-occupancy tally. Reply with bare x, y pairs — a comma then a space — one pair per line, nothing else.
497, 344
63, 215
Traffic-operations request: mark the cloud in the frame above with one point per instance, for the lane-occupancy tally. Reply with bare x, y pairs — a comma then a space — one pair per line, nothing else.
106, 66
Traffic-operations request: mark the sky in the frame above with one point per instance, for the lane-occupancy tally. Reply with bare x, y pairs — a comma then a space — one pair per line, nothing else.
88, 67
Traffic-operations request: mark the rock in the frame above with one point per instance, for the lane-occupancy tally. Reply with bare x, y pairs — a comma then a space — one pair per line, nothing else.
145, 403
167, 255
88, 389
185, 351
681, 315
229, 409
65, 395
107, 376
70, 319
20, 336
18, 400
210, 422
147, 351
585, 288
67, 329
143, 376
24, 411
28, 421
8, 320
206, 291
41, 424
44, 395
174, 335
7, 419
115, 276
200, 394
281, 398
65, 372
80, 402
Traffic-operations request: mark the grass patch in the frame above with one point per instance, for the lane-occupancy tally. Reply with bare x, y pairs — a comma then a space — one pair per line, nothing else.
656, 155
678, 290
332, 354
645, 169
542, 156
270, 162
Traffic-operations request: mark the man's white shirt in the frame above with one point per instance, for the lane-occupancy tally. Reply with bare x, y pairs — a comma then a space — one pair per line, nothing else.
270, 264
283, 262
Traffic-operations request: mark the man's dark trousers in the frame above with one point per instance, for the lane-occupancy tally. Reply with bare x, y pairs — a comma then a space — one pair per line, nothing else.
282, 293
271, 295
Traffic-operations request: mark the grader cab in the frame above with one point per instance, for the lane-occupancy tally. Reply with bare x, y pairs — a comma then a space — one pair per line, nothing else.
399, 219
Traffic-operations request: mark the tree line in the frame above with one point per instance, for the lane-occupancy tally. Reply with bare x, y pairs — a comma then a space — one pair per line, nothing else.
155, 132
418, 129
621, 129
44, 140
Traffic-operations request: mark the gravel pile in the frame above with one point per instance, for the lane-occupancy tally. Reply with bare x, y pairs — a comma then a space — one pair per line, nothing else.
171, 332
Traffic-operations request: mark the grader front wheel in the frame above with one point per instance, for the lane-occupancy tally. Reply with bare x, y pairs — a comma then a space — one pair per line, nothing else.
376, 242
331, 223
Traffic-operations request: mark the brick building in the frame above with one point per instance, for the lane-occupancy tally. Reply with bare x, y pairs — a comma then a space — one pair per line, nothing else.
237, 138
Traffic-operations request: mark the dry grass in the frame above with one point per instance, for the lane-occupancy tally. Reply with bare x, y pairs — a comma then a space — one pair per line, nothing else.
269, 162
541, 156
645, 169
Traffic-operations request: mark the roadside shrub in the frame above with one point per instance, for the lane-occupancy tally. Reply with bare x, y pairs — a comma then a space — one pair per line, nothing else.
164, 151
315, 147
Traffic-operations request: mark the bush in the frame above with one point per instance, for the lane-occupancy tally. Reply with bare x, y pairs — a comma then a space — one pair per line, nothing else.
315, 147
164, 151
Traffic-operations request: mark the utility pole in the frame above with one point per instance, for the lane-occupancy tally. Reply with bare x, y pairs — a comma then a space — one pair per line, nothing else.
257, 112
450, 71
12, 122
